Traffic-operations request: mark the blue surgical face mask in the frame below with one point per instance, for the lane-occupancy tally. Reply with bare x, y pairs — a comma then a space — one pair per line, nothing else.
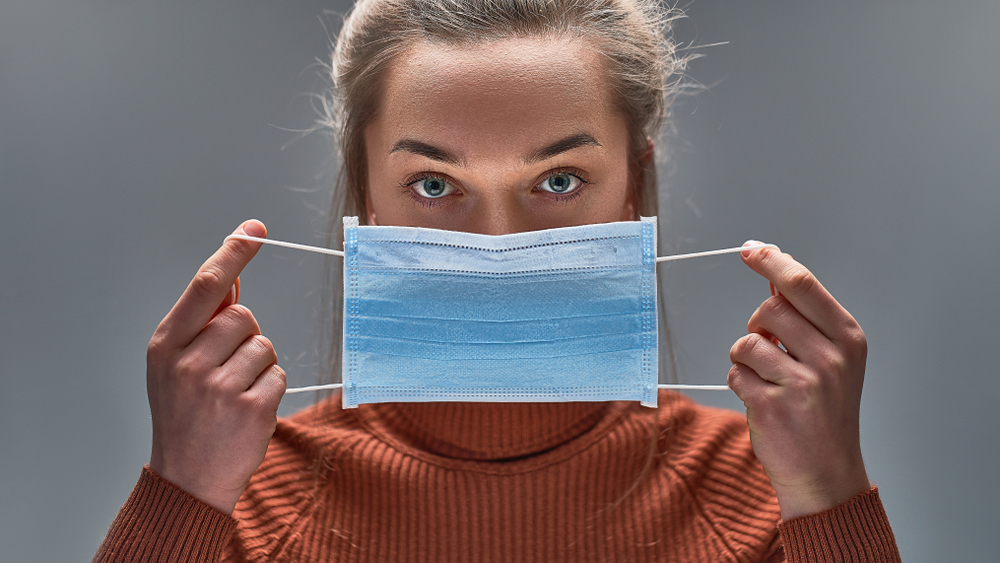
564, 314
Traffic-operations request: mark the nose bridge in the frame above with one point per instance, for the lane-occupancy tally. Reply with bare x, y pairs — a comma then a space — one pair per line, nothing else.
496, 220
498, 212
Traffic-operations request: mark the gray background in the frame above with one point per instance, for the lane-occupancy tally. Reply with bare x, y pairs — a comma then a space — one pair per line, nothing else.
863, 137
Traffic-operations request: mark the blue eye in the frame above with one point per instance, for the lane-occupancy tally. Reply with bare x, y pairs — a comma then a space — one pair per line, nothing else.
560, 183
432, 187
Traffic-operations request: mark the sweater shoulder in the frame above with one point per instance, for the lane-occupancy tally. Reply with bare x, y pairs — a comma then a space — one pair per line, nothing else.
708, 442
708, 450
289, 482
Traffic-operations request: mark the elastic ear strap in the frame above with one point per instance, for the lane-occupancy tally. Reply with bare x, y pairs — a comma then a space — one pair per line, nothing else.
670, 258
734, 250
294, 245
678, 386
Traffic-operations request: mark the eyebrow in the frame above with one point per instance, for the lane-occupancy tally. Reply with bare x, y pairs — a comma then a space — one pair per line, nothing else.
426, 150
423, 149
563, 145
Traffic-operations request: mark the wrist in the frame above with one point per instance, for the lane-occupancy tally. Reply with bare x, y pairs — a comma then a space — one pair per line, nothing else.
821, 495
223, 500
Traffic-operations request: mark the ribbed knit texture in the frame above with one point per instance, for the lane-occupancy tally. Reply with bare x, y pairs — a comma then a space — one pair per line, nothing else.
500, 482
161, 523
822, 537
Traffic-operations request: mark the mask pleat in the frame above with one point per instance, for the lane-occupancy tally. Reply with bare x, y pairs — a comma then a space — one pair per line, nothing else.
562, 314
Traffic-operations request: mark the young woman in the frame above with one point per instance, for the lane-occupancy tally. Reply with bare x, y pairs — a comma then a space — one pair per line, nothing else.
494, 118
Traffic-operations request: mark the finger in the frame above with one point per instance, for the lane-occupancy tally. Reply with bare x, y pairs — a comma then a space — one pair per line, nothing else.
765, 358
797, 284
222, 336
231, 298
750, 387
269, 387
253, 356
210, 286
777, 319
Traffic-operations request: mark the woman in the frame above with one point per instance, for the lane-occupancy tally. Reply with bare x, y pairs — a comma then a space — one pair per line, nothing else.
495, 118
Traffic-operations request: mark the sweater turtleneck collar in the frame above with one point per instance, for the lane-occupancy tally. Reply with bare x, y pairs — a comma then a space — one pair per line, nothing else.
485, 431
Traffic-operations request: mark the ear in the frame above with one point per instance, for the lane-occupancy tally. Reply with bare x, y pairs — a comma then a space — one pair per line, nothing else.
647, 156
369, 214
630, 211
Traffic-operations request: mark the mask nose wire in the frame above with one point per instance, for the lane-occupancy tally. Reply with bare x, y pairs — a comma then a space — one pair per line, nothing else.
669, 258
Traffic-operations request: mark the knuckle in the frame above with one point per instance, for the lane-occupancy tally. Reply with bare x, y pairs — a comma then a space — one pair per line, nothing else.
218, 384
734, 351
241, 315
775, 306
238, 317
261, 407
191, 366
157, 351
832, 362
857, 341
277, 383
733, 379
798, 280
745, 346
808, 382
802, 389
241, 246
208, 282
262, 346
751, 342
264, 342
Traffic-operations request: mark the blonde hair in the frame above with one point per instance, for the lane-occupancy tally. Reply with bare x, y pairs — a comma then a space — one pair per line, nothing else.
642, 61
644, 65
632, 35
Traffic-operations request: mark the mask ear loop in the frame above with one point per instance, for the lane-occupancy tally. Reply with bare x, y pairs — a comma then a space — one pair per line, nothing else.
293, 245
670, 258
754, 246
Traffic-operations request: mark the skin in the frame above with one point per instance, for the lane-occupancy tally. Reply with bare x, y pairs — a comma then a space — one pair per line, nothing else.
509, 136
490, 113
213, 383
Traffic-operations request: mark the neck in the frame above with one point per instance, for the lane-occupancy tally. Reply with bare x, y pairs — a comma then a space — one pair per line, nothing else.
486, 431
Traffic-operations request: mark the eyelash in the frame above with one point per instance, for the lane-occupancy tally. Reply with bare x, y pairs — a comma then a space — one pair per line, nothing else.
430, 203
565, 198
426, 202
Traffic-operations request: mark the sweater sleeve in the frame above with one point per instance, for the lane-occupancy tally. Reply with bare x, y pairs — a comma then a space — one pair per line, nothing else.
162, 523
857, 531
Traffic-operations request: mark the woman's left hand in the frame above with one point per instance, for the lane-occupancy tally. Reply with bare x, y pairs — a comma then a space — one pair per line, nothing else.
799, 372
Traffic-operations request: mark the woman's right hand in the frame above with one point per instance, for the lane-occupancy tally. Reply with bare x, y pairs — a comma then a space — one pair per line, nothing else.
213, 382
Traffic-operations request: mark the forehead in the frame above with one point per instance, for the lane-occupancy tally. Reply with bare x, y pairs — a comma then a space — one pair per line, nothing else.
507, 88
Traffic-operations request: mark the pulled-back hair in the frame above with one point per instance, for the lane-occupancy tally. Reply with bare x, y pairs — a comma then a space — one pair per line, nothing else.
631, 35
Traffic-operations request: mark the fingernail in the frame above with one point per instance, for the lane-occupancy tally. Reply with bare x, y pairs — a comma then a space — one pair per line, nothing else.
253, 228
751, 242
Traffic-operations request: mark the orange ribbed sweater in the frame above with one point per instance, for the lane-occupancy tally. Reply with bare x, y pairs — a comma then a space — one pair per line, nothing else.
500, 482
